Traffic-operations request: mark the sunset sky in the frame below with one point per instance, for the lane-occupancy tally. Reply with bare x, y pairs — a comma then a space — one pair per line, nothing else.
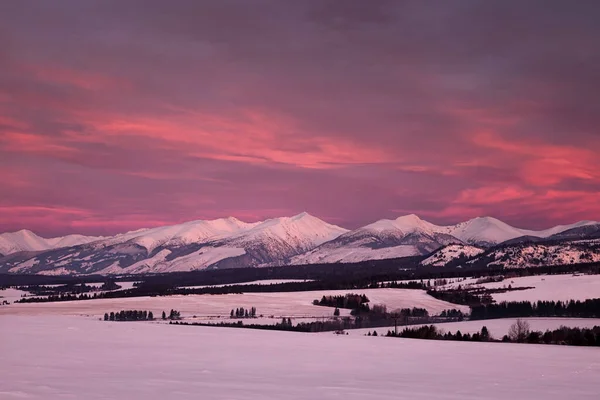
117, 115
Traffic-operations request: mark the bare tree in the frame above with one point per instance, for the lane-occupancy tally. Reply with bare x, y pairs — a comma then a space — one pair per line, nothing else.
519, 330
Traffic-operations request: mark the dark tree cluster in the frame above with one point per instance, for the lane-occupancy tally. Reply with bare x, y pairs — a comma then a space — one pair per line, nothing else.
414, 312
61, 297
110, 285
129, 315
430, 332
574, 308
400, 285
243, 312
69, 289
350, 300
174, 314
454, 314
562, 336
285, 325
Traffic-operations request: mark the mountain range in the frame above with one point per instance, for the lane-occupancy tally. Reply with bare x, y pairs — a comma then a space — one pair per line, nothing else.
297, 240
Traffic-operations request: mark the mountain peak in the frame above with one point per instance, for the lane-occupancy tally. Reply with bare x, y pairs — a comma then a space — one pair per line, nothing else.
303, 214
409, 218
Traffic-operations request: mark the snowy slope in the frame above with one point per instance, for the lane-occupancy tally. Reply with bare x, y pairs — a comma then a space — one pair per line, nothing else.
276, 240
451, 253
540, 254
182, 234
190, 246
489, 231
24, 240
406, 236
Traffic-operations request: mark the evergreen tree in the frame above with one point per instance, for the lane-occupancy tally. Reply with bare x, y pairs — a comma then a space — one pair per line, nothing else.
164, 315
231, 314
150, 316
336, 312
105, 316
485, 334
112, 316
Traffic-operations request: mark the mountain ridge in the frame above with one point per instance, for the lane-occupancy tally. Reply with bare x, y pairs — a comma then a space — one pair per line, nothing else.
230, 243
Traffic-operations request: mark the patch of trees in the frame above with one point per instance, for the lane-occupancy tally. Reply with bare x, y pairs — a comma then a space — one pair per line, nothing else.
574, 308
431, 332
129, 315
61, 297
414, 312
70, 288
39, 290
400, 285
454, 314
349, 300
174, 314
285, 325
243, 312
110, 285
519, 332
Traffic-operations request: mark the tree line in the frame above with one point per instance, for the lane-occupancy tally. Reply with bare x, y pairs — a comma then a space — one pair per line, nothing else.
243, 313
589, 308
519, 332
129, 315
431, 332
349, 300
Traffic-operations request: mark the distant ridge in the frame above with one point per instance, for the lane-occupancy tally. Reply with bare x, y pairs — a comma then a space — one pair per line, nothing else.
231, 243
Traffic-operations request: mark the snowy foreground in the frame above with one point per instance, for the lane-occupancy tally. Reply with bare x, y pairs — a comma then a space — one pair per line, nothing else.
60, 357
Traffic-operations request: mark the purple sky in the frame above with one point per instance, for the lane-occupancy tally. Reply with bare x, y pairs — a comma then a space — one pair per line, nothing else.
116, 115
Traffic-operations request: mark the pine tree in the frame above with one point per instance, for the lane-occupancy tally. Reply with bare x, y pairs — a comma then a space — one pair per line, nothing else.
150, 316
485, 334
164, 315
231, 314
106, 316
336, 312
112, 316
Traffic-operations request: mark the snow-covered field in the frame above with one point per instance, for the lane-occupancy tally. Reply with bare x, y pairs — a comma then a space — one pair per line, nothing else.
497, 327
547, 287
295, 304
78, 358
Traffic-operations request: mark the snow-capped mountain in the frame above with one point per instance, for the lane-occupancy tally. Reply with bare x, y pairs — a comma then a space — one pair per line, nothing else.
411, 236
302, 239
221, 243
405, 236
24, 240
182, 234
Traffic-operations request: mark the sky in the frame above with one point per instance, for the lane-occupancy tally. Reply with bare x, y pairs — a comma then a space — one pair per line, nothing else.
117, 115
